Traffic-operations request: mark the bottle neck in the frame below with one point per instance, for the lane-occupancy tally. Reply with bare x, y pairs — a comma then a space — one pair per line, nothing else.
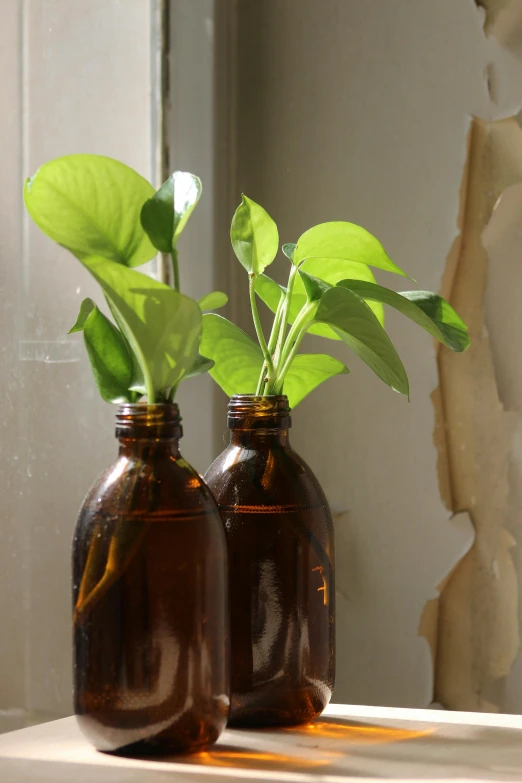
257, 422
258, 439
148, 430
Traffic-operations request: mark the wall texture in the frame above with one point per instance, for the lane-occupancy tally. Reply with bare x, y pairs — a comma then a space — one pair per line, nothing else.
393, 115
65, 92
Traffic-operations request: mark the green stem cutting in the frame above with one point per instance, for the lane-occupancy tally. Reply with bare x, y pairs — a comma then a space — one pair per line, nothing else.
257, 324
175, 269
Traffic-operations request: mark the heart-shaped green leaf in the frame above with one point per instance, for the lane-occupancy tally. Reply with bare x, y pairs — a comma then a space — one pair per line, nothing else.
161, 326
307, 372
358, 327
165, 215
213, 301
347, 241
427, 309
91, 205
108, 353
254, 236
237, 358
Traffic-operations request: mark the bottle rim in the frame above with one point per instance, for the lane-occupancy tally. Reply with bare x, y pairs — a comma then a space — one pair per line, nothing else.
144, 421
252, 411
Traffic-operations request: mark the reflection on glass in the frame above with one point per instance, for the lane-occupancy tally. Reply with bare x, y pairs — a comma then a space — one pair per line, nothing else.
281, 555
150, 621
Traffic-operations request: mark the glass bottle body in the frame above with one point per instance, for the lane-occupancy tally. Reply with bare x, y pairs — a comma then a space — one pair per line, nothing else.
149, 596
281, 569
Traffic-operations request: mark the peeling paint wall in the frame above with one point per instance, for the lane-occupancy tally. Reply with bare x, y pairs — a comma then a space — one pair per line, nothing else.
478, 635
402, 117
501, 239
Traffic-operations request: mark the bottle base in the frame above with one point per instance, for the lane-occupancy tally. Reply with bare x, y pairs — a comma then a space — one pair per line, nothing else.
263, 719
187, 736
299, 707
161, 747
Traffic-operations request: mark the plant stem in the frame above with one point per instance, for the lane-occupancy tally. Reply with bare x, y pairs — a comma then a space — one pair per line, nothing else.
175, 269
262, 380
292, 343
257, 323
276, 325
271, 344
284, 315
123, 546
151, 395
175, 285
298, 324
278, 386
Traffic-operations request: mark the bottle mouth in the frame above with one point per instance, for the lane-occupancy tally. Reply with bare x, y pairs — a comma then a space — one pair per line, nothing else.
250, 412
141, 421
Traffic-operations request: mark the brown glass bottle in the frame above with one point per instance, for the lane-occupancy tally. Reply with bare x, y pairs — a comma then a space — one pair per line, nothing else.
149, 597
281, 569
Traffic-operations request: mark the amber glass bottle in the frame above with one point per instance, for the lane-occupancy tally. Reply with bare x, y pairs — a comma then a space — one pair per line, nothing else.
149, 597
281, 569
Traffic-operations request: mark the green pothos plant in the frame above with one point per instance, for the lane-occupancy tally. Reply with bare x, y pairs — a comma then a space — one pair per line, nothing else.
113, 221
331, 292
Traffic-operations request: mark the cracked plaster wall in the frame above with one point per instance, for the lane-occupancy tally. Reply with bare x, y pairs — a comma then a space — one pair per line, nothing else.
478, 635
398, 116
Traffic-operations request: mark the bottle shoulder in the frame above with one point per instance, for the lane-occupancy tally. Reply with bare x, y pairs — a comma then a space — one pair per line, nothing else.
271, 475
158, 484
